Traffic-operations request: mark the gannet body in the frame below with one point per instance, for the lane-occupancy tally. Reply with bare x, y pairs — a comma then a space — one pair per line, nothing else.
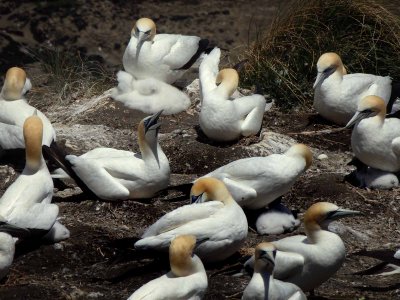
308, 261
149, 95
377, 179
276, 220
222, 118
165, 57
214, 218
14, 109
263, 285
375, 140
338, 93
117, 174
27, 202
257, 181
186, 280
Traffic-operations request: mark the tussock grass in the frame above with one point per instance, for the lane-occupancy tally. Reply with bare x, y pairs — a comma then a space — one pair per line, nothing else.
283, 61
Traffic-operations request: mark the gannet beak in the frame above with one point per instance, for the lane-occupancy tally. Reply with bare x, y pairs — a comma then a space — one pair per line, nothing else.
196, 199
358, 116
320, 78
142, 37
152, 123
341, 213
267, 257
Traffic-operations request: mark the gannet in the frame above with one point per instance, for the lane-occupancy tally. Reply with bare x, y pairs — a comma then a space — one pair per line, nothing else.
165, 57
255, 182
308, 261
14, 109
221, 117
375, 140
186, 280
149, 95
263, 285
118, 174
26, 202
214, 218
276, 220
376, 179
338, 93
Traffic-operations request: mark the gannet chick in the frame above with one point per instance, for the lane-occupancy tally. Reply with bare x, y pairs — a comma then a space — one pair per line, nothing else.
187, 278
255, 182
149, 95
338, 93
14, 109
214, 218
118, 174
375, 140
165, 57
221, 117
26, 203
7, 250
263, 285
276, 220
371, 178
308, 261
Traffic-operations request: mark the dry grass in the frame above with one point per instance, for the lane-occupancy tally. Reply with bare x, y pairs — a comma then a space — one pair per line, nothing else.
362, 32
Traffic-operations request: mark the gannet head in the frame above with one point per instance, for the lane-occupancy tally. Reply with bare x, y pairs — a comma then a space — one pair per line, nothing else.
209, 189
328, 64
368, 107
265, 257
180, 255
303, 151
228, 80
148, 129
33, 135
144, 30
320, 214
15, 84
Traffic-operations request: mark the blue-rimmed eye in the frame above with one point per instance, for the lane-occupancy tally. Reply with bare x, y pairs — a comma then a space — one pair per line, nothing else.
194, 198
147, 32
146, 122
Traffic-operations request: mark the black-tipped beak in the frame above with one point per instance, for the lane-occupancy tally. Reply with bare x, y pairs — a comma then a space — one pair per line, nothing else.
342, 213
152, 124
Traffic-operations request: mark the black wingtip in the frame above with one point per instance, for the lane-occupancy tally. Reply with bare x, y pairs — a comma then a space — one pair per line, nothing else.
240, 65
203, 46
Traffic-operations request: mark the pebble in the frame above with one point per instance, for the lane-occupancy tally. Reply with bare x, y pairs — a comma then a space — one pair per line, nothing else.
322, 156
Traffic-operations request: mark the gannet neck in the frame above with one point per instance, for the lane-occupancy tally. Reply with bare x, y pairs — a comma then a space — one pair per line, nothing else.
33, 135
210, 189
229, 81
14, 84
181, 258
302, 151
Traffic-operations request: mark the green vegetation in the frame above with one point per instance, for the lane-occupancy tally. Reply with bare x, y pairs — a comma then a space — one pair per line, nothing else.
283, 61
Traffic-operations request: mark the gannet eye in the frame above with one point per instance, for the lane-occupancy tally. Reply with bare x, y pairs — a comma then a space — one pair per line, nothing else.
367, 111
147, 32
146, 122
329, 70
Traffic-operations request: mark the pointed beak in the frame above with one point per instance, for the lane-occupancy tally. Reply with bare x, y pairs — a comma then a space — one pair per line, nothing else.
320, 78
195, 199
142, 37
358, 116
342, 213
152, 124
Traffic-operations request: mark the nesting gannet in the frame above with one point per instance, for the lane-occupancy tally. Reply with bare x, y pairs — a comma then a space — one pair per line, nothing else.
263, 285
375, 140
255, 182
338, 93
14, 109
187, 278
26, 203
221, 117
214, 218
149, 95
308, 261
165, 57
118, 174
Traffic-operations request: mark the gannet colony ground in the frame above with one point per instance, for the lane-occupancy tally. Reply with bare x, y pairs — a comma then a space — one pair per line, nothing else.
99, 259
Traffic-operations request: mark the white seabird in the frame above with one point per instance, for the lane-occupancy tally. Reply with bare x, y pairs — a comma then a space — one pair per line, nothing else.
27, 202
165, 57
263, 285
186, 280
221, 117
214, 218
375, 140
14, 109
308, 261
118, 174
255, 182
276, 220
149, 95
338, 93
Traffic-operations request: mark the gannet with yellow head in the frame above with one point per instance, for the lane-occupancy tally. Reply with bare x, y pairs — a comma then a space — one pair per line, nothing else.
375, 140
26, 202
338, 93
223, 118
14, 109
263, 285
118, 174
187, 278
165, 57
214, 218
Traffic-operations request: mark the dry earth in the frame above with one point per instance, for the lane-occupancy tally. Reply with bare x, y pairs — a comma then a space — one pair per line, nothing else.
99, 261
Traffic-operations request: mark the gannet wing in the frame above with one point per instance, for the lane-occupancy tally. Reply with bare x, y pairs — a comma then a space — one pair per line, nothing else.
244, 105
361, 85
239, 191
183, 215
11, 137
287, 264
181, 51
208, 70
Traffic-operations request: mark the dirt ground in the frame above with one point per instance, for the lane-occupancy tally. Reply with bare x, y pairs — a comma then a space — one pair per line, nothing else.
99, 261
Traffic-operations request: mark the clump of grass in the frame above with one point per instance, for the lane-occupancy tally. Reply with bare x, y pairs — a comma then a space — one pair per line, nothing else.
283, 61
